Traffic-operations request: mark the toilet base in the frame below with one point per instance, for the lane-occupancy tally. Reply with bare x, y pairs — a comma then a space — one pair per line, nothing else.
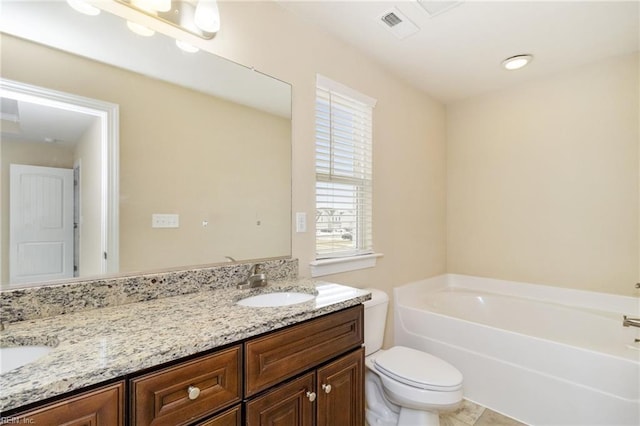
409, 417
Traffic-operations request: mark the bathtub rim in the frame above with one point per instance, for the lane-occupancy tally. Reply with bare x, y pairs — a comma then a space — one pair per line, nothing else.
575, 298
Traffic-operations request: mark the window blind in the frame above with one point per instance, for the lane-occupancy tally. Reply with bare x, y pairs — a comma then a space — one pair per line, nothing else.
343, 174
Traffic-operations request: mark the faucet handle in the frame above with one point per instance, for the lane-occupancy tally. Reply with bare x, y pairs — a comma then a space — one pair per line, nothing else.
256, 269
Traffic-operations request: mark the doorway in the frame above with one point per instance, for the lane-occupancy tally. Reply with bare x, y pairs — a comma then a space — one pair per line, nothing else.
95, 212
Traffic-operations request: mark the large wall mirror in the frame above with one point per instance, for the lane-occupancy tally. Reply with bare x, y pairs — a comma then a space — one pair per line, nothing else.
182, 158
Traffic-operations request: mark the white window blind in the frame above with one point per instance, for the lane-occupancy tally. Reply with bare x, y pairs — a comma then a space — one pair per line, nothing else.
343, 171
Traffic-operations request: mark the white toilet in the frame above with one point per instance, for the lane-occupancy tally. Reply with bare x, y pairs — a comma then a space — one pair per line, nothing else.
403, 386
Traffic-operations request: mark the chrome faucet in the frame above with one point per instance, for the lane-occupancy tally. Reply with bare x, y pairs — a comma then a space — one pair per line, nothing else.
256, 278
633, 322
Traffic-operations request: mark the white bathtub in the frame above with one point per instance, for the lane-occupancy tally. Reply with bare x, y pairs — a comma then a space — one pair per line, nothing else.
543, 355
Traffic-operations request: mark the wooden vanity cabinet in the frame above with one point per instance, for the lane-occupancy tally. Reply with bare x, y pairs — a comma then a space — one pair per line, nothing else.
232, 417
340, 391
102, 406
305, 374
287, 404
332, 395
189, 391
327, 356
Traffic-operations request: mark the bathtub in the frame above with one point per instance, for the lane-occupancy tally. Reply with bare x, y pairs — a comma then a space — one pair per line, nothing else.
542, 355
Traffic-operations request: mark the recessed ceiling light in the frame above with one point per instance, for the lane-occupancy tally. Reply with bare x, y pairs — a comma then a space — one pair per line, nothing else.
516, 62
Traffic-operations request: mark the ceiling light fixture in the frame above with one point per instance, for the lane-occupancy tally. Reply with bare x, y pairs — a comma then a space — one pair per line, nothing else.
517, 62
83, 7
198, 17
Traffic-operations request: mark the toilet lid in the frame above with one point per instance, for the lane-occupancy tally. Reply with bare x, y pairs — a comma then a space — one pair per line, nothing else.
418, 369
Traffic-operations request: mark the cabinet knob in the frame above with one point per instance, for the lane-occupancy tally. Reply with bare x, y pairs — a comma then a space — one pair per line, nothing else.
326, 388
193, 392
311, 396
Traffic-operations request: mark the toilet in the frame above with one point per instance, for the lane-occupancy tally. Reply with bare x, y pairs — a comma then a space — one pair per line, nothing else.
403, 386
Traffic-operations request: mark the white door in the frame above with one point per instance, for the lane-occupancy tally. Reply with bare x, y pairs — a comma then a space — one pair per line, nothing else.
40, 223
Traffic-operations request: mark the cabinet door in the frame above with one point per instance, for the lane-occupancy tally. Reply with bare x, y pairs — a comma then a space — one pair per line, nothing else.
287, 405
100, 407
283, 354
340, 391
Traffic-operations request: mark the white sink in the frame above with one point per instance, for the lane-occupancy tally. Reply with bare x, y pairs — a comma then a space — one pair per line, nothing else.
17, 356
268, 300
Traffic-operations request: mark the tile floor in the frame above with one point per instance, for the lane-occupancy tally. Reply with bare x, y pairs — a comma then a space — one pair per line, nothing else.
470, 414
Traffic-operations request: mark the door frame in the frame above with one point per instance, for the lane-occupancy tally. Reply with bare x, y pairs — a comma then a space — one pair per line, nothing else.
108, 114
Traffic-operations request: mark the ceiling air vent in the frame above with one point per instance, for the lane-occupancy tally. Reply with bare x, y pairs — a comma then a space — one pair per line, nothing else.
397, 23
391, 19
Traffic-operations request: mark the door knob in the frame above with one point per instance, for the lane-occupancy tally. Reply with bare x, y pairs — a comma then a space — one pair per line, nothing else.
326, 388
311, 396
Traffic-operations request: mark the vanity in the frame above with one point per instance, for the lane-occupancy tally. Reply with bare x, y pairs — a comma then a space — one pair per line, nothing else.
197, 359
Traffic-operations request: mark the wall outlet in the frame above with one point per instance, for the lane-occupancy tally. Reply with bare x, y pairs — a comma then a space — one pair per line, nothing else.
165, 220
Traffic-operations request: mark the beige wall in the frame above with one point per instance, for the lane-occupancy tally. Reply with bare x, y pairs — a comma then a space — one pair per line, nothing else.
543, 180
409, 139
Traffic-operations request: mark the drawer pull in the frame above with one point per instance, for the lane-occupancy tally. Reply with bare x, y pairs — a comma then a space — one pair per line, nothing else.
193, 392
311, 396
326, 388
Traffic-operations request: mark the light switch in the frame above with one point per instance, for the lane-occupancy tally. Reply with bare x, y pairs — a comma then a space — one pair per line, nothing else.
165, 220
301, 222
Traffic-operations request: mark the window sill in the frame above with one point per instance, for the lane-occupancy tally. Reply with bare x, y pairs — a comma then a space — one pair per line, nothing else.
323, 267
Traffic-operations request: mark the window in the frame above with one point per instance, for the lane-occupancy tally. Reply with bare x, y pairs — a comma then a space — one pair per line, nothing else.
343, 171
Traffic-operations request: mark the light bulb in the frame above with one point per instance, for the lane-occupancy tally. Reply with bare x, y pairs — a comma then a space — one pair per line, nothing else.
207, 16
187, 47
516, 62
140, 29
83, 7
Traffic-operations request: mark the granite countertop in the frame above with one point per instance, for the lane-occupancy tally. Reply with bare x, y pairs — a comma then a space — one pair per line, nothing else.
101, 344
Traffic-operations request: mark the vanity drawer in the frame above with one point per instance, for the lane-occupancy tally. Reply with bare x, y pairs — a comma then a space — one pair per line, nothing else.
101, 407
231, 417
283, 354
188, 391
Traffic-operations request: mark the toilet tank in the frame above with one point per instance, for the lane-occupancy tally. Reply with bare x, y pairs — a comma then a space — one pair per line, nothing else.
375, 318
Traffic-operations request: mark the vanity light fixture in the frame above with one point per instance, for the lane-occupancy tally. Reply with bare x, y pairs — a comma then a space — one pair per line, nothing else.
198, 17
83, 7
153, 5
517, 62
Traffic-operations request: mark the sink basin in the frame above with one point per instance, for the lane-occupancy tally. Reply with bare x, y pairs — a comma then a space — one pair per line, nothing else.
268, 300
17, 356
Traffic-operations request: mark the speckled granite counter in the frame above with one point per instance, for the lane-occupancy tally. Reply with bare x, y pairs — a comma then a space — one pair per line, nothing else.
101, 344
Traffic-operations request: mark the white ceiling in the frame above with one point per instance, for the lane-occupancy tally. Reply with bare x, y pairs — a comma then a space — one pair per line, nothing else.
32, 122
458, 53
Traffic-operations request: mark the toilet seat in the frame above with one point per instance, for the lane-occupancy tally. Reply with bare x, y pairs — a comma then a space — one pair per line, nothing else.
418, 369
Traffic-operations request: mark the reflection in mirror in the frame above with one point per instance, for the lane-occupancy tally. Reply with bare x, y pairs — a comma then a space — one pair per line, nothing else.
203, 140
59, 183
